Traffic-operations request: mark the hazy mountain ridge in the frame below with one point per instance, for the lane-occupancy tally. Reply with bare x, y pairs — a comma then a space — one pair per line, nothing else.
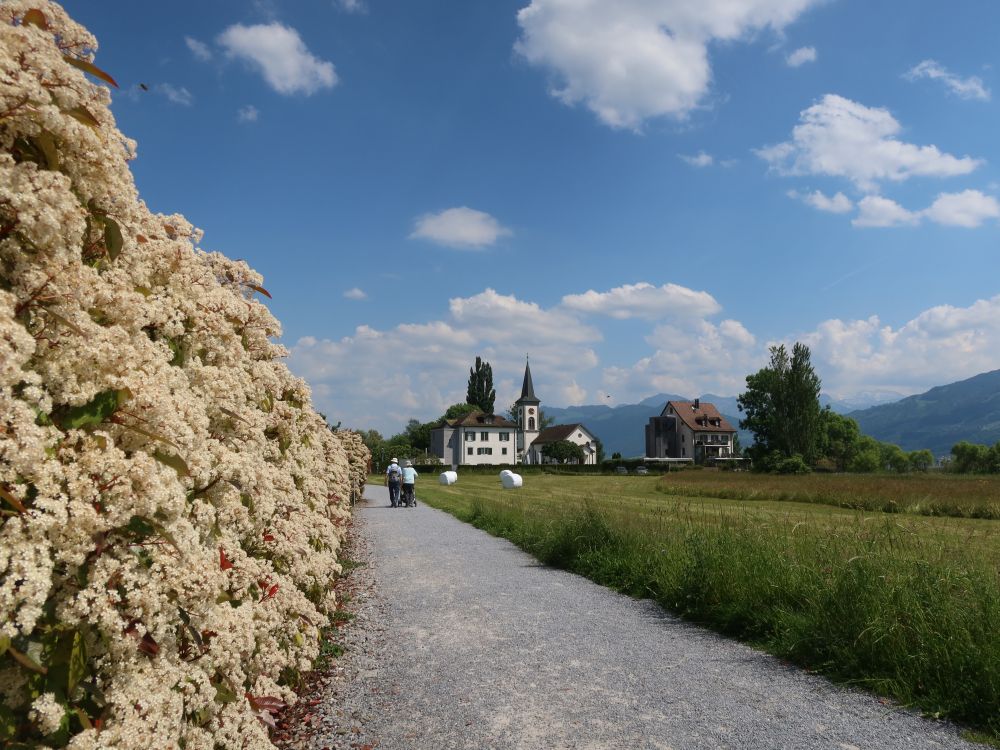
944, 415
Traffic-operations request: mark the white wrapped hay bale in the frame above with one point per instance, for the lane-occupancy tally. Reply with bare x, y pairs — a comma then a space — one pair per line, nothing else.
510, 480
448, 477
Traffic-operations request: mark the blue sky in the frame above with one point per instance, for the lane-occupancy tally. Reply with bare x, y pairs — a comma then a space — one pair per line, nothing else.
642, 194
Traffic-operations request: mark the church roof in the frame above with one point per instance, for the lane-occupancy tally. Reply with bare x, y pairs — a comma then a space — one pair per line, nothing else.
528, 388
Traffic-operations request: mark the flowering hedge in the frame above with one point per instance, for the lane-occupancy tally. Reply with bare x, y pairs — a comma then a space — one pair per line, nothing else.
172, 506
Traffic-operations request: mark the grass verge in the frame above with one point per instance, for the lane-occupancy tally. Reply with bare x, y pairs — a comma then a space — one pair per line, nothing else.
859, 597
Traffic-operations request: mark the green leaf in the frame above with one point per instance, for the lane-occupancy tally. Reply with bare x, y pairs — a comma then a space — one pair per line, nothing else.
77, 662
8, 723
88, 67
149, 434
113, 240
174, 462
225, 694
99, 408
4, 644
46, 143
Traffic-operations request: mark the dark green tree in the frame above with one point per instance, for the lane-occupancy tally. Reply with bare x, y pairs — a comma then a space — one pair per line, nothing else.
600, 450
480, 392
456, 411
839, 438
564, 451
921, 460
418, 434
781, 404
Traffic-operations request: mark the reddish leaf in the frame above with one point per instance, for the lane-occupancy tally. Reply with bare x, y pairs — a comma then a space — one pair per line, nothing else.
13, 501
260, 289
223, 560
148, 646
35, 17
88, 67
272, 591
268, 537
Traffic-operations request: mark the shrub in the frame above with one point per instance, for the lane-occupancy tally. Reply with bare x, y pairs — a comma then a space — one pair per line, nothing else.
172, 504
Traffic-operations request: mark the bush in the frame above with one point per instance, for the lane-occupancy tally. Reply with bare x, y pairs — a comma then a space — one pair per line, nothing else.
172, 504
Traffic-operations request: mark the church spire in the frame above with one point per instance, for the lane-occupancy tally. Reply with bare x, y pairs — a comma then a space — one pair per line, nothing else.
528, 388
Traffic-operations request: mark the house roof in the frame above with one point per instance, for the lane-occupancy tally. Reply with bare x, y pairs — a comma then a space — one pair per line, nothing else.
700, 416
481, 419
559, 432
528, 388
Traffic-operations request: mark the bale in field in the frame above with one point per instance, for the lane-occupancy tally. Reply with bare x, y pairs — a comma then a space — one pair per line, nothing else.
448, 477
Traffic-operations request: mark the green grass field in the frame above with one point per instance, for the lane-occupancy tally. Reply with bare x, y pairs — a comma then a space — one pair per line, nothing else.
905, 604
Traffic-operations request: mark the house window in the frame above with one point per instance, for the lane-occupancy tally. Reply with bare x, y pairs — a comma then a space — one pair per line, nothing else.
504, 436
484, 451
469, 450
484, 436
504, 451
470, 436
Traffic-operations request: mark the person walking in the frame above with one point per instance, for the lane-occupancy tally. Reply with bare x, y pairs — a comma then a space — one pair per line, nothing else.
393, 477
409, 479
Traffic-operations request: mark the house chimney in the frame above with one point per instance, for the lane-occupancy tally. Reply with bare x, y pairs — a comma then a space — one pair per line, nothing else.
697, 403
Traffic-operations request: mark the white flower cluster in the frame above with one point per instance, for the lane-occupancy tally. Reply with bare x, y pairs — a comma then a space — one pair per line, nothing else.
172, 506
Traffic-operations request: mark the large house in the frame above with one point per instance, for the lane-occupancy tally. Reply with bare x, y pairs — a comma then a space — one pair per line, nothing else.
479, 438
691, 430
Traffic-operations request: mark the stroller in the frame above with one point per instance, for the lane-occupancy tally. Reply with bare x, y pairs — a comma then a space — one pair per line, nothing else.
407, 497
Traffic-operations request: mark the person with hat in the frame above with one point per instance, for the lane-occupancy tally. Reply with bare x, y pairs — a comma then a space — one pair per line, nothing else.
409, 479
393, 476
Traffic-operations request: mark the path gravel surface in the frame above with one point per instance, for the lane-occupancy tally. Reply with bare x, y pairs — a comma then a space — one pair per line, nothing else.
470, 643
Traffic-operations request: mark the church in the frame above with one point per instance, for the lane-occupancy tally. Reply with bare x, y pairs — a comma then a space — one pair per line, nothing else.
478, 438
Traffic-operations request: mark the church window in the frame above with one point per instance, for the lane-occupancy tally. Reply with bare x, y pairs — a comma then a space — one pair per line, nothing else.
531, 423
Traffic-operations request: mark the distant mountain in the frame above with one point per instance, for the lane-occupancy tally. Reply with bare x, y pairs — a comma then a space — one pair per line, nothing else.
622, 428
945, 415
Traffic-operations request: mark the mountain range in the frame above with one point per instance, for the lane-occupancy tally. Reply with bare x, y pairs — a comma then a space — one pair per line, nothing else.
944, 415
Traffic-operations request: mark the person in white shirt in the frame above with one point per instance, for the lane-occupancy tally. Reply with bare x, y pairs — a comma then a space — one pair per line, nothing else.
393, 476
409, 479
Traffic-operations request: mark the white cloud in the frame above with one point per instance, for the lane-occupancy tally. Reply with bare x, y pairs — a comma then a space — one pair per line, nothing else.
941, 345
643, 300
701, 159
876, 211
176, 94
631, 60
199, 49
351, 6
801, 56
355, 293
835, 204
249, 113
970, 208
280, 55
838, 137
460, 228
965, 88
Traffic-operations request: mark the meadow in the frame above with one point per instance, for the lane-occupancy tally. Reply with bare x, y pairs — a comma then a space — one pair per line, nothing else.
904, 604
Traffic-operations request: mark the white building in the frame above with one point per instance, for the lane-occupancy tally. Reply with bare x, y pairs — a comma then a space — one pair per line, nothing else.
480, 438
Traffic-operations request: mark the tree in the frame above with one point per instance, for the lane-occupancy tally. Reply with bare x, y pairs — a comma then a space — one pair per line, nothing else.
418, 434
921, 460
456, 411
600, 450
781, 404
480, 392
564, 451
839, 436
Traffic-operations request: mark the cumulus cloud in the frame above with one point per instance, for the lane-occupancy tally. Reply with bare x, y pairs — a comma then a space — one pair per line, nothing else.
838, 137
876, 211
940, 345
632, 60
801, 56
355, 293
964, 88
351, 6
278, 53
175, 94
199, 49
459, 228
970, 208
249, 113
701, 159
835, 204
643, 300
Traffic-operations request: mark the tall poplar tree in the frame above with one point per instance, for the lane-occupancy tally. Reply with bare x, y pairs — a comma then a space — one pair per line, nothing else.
480, 393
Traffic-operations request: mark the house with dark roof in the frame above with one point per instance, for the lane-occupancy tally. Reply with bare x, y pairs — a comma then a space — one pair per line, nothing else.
693, 430
574, 433
479, 438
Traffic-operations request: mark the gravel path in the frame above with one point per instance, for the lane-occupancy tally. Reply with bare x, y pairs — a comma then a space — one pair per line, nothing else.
479, 646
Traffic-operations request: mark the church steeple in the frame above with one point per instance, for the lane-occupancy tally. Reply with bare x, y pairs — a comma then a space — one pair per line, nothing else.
528, 388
